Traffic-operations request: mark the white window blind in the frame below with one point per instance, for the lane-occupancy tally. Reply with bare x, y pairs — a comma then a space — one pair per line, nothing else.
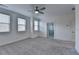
36, 25
21, 24
4, 23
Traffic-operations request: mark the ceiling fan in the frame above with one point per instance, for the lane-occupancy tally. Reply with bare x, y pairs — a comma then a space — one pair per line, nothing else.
39, 10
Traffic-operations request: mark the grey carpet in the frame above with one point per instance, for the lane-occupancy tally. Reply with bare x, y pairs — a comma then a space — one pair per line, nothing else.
39, 46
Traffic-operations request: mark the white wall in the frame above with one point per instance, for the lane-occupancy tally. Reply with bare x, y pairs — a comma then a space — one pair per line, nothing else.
77, 29
64, 25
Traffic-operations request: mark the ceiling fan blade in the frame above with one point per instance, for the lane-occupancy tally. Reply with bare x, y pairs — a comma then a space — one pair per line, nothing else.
43, 8
41, 12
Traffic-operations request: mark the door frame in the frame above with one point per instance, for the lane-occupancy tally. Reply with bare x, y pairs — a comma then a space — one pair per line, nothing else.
48, 29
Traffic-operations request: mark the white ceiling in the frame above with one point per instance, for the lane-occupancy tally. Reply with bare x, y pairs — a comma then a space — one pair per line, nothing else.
57, 9
51, 9
21, 6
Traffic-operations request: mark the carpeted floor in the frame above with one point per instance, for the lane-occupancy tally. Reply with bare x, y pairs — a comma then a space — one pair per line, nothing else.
39, 46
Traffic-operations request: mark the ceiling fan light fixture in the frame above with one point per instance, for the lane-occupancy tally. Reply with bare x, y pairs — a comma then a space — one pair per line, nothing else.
36, 12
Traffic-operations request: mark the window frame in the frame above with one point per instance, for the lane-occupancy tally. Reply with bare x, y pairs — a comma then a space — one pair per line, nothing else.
17, 24
8, 14
36, 19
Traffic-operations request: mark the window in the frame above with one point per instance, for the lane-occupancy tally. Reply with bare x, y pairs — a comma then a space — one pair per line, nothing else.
36, 25
4, 23
21, 24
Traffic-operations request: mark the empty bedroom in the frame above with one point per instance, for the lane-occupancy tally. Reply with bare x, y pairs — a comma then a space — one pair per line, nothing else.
39, 29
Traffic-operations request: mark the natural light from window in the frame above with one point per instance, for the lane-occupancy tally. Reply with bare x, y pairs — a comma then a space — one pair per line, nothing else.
21, 24
4, 23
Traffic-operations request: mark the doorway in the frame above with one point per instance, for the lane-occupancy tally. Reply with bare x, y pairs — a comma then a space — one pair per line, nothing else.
50, 30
